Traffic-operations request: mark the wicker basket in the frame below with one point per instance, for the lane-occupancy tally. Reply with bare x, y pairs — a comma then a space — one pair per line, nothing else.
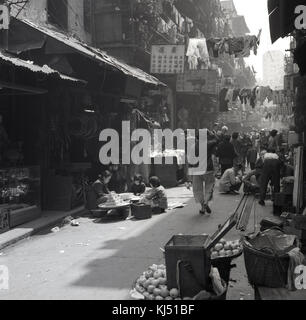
141, 211
265, 269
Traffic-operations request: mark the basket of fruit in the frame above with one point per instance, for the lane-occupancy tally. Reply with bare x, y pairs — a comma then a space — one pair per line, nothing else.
152, 285
222, 255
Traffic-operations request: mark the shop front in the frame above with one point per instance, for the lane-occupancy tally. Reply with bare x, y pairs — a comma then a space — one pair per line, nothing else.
24, 88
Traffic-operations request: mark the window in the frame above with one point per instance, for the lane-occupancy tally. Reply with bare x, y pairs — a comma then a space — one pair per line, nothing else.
58, 13
87, 15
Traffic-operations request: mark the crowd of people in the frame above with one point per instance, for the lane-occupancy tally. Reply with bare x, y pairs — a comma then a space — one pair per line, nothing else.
255, 162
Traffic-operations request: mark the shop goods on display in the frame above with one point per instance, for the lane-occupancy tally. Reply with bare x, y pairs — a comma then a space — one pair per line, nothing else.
224, 248
152, 285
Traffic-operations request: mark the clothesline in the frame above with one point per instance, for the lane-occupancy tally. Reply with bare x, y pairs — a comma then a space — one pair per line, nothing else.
246, 96
200, 51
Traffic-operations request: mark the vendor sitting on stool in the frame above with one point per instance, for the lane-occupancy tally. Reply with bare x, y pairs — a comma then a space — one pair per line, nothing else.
156, 197
99, 194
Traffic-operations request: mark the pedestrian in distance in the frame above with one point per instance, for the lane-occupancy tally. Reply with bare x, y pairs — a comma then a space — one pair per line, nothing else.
226, 154
252, 155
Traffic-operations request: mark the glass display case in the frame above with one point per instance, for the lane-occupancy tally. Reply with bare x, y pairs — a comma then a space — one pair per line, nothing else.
20, 193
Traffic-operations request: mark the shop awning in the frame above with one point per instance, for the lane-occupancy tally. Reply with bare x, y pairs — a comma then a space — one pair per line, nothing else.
93, 53
29, 65
282, 17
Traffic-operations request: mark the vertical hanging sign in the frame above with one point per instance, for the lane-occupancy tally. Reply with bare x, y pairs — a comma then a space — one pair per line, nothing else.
4, 17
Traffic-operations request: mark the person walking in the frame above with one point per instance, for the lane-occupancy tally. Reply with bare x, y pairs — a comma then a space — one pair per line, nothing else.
226, 154
273, 141
252, 157
238, 148
203, 179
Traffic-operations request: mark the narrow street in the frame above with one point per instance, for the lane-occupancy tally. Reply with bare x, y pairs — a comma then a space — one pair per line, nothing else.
101, 260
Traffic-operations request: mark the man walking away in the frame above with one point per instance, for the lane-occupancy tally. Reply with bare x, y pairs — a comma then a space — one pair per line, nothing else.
200, 177
238, 148
226, 154
252, 157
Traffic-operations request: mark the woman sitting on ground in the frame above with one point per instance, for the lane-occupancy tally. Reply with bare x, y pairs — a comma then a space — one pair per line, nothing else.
156, 197
99, 191
100, 194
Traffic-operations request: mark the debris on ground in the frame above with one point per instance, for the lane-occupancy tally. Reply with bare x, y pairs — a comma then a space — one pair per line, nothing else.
55, 229
67, 220
74, 223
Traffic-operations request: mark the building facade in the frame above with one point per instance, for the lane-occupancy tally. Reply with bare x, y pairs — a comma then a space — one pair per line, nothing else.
73, 16
274, 69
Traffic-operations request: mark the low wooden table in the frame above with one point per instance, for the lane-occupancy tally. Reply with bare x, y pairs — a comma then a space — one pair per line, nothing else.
262, 293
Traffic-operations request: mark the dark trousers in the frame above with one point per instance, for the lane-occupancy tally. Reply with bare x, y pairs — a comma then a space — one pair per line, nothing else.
224, 167
270, 172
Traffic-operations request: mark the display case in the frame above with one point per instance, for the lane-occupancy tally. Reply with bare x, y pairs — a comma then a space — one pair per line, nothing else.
20, 193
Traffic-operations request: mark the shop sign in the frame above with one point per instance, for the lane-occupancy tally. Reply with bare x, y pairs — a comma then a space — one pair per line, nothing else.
4, 17
167, 59
201, 81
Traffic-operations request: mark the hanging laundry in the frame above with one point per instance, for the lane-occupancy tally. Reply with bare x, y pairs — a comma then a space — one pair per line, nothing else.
213, 46
229, 95
203, 51
193, 62
236, 94
197, 50
236, 45
253, 98
223, 104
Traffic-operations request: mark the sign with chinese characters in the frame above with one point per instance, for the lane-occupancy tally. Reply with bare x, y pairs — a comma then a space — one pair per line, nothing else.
4, 17
167, 59
202, 81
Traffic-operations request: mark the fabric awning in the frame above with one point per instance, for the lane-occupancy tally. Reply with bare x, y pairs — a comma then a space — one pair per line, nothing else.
29, 65
93, 53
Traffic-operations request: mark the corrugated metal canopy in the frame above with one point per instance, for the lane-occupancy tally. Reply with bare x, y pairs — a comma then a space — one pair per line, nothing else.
29, 65
94, 53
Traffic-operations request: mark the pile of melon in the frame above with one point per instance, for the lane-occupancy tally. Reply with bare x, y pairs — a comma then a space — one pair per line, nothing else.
226, 249
152, 285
